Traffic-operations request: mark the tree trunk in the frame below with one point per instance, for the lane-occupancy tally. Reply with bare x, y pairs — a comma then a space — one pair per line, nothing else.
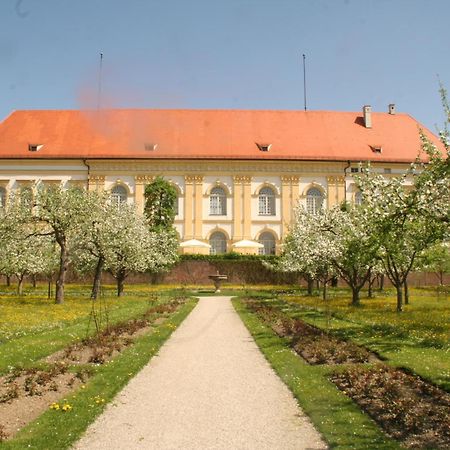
20, 285
310, 282
405, 286
120, 285
355, 297
399, 288
63, 260
97, 278
370, 290
324, 291
381, 282
33, 280
49, 288
8, 280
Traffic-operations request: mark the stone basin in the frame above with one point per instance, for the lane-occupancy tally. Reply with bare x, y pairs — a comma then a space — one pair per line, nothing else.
217, 280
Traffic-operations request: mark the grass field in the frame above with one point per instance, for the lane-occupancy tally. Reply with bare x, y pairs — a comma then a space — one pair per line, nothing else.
32, 326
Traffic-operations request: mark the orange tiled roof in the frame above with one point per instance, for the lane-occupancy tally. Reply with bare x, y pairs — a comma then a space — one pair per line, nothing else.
210, 134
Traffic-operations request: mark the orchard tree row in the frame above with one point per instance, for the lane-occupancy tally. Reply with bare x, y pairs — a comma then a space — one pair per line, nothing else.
402, 223
58, 228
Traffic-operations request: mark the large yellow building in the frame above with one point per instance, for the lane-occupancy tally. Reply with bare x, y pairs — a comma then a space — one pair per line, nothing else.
238, 174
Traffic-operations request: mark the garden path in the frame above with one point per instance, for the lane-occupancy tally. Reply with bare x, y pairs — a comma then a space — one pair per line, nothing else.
208, 388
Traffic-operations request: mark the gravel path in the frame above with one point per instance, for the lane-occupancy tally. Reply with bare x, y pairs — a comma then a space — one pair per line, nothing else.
208, 388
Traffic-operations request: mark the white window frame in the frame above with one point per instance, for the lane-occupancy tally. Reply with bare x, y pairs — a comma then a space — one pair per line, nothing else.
269, 243
118, 198
314, 200
218, 243
266, 202
217, 202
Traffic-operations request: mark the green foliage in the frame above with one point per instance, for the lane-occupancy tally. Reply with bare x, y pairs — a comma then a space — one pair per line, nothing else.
437, 259
231, 256
160, 198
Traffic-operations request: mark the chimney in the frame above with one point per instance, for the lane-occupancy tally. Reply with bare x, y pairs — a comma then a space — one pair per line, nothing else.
367, 113
392, 108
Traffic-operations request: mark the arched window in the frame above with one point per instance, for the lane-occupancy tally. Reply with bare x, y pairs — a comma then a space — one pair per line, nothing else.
358, 198
218, 243
268, 240
314, 200
266, 202
2, 197
217, 202
118, 194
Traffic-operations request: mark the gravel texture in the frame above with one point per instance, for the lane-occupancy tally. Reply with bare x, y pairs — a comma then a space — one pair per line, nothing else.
208, 388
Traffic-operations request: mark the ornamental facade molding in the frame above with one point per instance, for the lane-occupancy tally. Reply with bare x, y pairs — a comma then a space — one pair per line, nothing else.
201, 167
286, 179
98, 178
246, 179
191, 179
144, 178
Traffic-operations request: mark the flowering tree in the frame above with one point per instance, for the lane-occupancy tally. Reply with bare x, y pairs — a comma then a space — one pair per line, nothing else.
94, 240
21, 252
60, 214
436, 259
353, 231
128, 246
334, 242
309, 251
22, 256
409, 213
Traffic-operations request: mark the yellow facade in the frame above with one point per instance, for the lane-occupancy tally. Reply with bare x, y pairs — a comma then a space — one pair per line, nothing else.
248, 214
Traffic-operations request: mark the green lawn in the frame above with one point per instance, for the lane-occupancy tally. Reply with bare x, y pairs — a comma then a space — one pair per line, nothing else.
32, 327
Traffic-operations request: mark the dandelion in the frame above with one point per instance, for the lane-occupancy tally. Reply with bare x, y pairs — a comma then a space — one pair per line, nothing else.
66, 407
55, 406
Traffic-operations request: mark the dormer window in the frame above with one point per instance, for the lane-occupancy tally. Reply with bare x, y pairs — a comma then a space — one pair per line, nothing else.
34, 147
263, 147
376, 148
150, 147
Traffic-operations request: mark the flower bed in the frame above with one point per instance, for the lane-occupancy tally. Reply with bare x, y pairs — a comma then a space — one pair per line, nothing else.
314, 345
407, 408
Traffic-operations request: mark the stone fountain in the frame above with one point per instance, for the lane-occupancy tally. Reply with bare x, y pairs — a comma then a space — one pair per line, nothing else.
217, 280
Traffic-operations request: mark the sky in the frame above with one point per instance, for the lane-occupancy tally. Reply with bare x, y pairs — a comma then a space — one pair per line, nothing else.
225, 54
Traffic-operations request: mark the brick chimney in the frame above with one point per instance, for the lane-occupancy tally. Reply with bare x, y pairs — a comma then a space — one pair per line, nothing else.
392, 108
367, 114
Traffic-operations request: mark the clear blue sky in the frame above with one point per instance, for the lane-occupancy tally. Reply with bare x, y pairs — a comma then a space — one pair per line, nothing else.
225, 54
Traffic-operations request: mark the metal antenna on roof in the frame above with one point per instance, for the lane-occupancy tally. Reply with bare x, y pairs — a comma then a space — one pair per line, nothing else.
99, 93
304, 78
